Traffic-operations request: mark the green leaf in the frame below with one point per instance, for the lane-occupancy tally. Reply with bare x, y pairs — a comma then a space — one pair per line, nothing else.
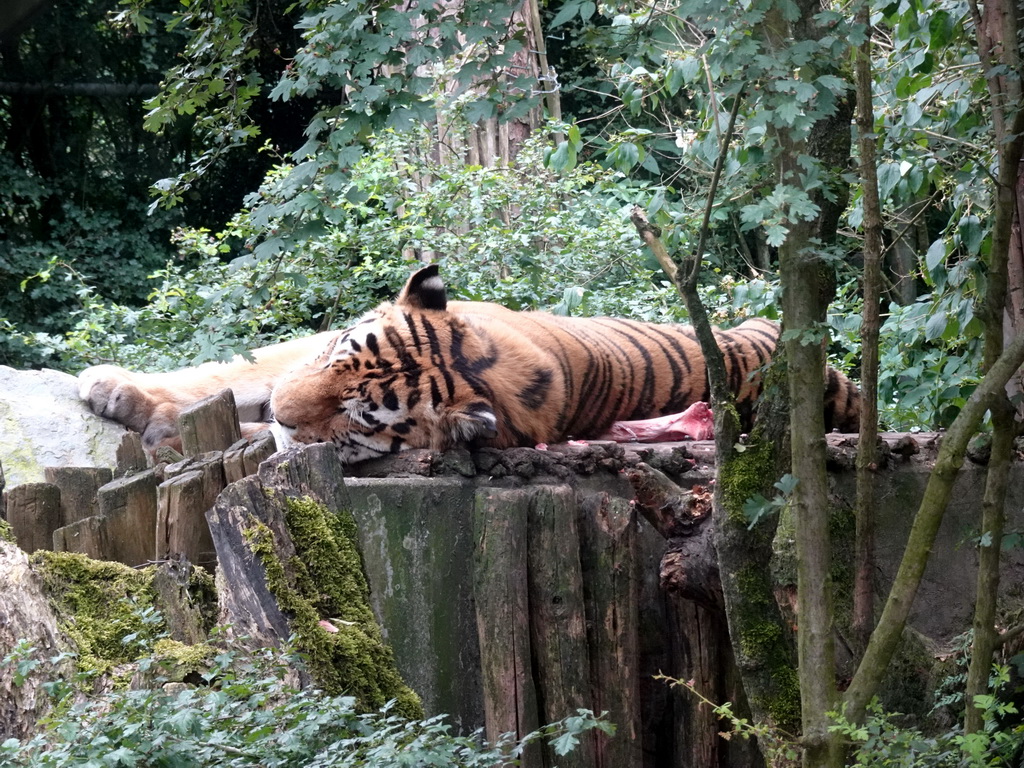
888, 177
657, 202
787, 484
624, 156
650, 163
971, 234
936, 255
565, 744
912, 113
757, 507
563, 158
573, 135
940, 30
776, 234
935, 326
837, 85
567, 12
787, 112
479, 110
674, 78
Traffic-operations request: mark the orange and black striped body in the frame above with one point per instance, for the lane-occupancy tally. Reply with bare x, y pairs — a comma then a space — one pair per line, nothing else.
425, 372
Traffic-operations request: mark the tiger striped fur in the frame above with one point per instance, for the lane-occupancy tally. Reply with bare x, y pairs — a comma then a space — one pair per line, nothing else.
424, 372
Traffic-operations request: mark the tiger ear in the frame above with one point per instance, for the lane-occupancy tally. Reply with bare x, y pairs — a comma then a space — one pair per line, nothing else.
476, 420
424, 290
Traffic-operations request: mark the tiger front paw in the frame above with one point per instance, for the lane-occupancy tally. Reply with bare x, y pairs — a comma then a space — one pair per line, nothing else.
117, 394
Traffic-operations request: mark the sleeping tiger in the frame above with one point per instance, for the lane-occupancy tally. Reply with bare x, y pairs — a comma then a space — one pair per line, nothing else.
424, 372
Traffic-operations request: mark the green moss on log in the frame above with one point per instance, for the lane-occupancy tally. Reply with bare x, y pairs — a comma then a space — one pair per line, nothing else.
324, 592
761, 639
180, 661
98, 604
744, 476
6, 532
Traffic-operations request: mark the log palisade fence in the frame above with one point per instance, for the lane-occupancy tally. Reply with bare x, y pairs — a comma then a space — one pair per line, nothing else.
133, 513
513, 586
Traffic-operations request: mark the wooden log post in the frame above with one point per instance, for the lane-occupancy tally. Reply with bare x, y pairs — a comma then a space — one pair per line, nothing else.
244, 457
182, 502
85, 537
558, 634
316, 471
416, 538
176, 598
78, 488
502, 616
261, 449
608, 555
128, 509
234, 461
700, 653
164, 454
246, 602
210, 425
33, 510
131, 456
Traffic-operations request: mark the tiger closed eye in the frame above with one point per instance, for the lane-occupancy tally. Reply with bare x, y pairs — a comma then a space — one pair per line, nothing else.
285, 424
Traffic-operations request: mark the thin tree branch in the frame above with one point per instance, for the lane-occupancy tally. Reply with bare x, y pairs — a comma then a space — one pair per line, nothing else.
691, 269
1009, 636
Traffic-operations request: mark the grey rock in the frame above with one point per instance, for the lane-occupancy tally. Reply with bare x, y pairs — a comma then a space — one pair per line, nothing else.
44, 424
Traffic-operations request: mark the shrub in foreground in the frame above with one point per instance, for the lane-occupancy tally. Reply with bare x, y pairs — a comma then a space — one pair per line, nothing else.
246, 710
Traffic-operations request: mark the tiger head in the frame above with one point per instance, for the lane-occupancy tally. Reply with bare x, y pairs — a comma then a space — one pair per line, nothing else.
407, 375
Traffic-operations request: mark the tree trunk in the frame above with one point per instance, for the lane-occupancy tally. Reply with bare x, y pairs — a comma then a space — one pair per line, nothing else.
757, 631
867, 448
908, 238
993, 517
997, 33
808, 286
804, 312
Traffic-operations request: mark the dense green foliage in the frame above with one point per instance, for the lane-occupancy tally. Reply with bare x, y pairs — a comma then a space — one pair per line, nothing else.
246, 710
74, 174
77, 164
670, 74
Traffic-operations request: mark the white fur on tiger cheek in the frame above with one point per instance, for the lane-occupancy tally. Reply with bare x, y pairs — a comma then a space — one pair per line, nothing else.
283, 436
